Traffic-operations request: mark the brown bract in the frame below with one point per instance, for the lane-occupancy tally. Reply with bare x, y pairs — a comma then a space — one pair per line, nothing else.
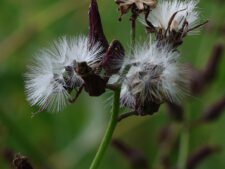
113, 58
93, 83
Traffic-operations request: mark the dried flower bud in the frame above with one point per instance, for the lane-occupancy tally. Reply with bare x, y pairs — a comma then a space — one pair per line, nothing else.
21, 162
210, 69
202, 78
196, 80
214, 111
134, 156
113, 59
136, 6
96, 33
93, 83
200, 154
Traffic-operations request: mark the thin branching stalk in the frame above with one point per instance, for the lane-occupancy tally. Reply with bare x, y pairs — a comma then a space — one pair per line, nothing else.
127, 114
109, 132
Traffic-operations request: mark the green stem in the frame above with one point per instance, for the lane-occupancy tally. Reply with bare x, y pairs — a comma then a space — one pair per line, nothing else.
184, 146
109, 131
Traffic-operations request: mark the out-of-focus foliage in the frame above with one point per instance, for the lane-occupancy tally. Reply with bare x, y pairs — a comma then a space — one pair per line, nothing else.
69, 139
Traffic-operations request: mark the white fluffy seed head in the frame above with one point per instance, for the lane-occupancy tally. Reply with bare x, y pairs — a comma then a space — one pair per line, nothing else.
45, 82
155, 75
161, 15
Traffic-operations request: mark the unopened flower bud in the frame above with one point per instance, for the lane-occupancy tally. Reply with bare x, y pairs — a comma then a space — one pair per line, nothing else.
133, 155
96, 33
199, 79
200, 154
210, 69
214, 111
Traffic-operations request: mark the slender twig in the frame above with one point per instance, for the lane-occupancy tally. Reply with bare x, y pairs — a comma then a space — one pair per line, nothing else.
126, 114
191, 29
109, 132
133, 25
171, 20
77, 94
150, 25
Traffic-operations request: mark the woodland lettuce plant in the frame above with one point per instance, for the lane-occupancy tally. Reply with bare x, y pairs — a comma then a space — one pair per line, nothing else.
142, 79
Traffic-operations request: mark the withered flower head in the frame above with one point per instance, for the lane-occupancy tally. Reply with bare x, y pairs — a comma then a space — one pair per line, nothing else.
155, 76
172, 20
69, 64
52, 75
136, 6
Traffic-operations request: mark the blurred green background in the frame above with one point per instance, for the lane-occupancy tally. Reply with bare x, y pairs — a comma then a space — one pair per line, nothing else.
70, 138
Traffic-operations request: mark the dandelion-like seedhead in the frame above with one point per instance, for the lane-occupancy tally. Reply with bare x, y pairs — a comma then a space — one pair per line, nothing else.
184, 11
155, 75
171, 20
52, 73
